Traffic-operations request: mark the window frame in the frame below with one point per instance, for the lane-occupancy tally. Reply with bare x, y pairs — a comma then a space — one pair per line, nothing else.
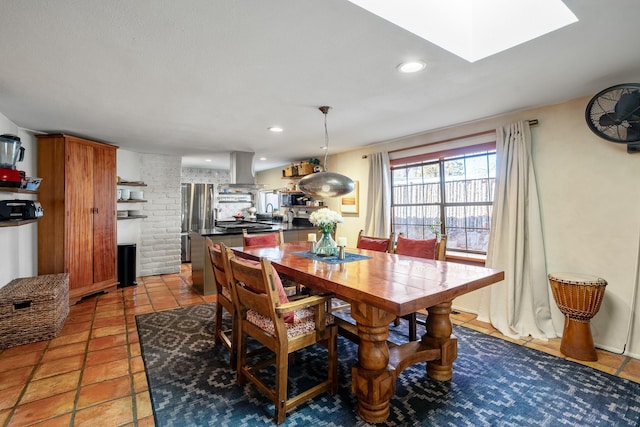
440, 157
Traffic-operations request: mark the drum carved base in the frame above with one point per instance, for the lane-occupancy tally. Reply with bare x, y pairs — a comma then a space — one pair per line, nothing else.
577, 341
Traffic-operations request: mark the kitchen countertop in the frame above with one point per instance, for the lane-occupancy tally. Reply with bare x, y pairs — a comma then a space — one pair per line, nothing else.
285, 226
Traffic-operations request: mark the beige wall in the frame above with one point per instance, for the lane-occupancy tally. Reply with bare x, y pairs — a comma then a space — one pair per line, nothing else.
590, 199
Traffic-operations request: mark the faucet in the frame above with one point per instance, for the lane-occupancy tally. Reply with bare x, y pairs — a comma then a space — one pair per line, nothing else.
267, 208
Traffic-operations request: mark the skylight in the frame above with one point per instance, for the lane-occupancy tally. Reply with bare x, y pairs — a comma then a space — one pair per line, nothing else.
474, 29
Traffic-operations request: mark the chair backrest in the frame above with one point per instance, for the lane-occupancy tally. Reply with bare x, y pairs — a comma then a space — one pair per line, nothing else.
441, 248
380, 244
422, 248
217, 263
265, 239
254, 288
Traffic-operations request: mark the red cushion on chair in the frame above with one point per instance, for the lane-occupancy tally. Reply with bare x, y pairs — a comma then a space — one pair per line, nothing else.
282, 295
418, 248
379, 245
261, 240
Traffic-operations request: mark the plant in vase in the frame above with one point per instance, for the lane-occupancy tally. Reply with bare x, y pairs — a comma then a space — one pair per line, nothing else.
326, 219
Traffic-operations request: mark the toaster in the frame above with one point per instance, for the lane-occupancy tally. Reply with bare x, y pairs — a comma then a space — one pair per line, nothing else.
20, 209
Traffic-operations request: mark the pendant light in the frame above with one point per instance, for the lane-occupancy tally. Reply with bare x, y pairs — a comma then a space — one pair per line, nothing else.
326, 184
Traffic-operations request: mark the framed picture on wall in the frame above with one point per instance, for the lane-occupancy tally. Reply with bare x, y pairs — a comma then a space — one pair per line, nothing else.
349, 202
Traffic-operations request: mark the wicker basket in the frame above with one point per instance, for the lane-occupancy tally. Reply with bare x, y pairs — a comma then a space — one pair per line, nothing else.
305, 168
33, 309
290, 171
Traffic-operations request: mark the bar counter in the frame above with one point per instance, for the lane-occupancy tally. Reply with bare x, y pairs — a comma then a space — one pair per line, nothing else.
201, 270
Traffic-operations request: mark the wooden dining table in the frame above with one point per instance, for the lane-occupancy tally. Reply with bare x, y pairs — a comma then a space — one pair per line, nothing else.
380, 288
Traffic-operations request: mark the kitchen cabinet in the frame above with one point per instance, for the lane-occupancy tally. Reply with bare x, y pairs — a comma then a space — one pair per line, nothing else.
77, 234
202, 276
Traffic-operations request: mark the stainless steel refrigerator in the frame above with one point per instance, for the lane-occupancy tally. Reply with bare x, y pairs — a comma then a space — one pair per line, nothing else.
197, 213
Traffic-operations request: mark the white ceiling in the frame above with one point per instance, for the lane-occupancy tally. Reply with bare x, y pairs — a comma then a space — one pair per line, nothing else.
201, 78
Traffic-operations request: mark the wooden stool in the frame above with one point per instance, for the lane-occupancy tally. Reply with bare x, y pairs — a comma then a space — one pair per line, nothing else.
578, 297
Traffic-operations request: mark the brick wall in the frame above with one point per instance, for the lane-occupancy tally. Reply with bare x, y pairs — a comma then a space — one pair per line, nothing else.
160, 232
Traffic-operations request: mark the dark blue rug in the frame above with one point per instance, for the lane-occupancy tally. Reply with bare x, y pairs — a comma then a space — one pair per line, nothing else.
495, 383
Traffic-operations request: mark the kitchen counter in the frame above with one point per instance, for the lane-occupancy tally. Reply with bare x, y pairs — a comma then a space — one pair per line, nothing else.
274, 226
201, 270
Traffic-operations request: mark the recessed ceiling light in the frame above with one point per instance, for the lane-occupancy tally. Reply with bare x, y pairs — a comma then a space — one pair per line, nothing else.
471, 29
411, 66
207, 160
275, 129
263, 158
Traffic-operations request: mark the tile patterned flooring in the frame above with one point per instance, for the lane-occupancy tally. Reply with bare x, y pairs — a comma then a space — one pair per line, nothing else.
93, 374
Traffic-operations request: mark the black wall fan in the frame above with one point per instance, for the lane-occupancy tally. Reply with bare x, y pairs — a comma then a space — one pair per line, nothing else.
614, 114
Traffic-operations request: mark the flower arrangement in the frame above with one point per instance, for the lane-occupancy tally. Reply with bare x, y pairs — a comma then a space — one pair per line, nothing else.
325, 219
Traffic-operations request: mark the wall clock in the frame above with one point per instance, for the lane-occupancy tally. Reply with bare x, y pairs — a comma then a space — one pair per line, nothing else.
614, 114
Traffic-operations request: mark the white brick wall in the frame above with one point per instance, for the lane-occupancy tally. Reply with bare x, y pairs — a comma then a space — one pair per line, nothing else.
160, 232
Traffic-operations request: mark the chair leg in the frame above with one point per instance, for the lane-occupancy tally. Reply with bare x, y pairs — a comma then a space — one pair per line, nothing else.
282, 367
241, 358
233, 353
332, 347
218, 326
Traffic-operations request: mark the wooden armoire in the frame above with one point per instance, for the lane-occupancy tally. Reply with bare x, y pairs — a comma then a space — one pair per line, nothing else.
77, 233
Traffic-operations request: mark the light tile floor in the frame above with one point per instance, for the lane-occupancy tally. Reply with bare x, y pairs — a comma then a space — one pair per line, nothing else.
92, 373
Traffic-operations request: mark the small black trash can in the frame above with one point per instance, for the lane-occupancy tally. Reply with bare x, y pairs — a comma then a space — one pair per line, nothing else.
127, 265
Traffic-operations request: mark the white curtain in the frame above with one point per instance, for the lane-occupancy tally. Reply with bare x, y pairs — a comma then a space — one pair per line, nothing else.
378, 218
519, 305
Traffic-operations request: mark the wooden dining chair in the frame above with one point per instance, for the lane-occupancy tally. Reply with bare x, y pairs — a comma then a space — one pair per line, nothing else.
224, 300
380, 244
272, 239
263, 239
281, 327
421, 248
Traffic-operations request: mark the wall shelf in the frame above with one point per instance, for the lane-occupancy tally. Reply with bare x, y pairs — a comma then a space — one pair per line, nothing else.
17, 222
131, 201
131, 217
17, 190
132, 184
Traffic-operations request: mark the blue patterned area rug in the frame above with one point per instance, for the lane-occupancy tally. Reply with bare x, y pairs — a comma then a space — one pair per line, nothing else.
495, 383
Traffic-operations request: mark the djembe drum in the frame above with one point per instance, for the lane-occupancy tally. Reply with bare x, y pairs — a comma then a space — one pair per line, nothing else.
578, 297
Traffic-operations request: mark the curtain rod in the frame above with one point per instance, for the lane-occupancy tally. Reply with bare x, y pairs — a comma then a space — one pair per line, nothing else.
532, 122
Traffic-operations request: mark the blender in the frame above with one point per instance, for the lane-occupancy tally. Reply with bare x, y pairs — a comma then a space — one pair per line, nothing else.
11, 152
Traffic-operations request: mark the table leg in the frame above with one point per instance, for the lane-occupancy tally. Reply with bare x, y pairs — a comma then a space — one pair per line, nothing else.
372, 382
438, 335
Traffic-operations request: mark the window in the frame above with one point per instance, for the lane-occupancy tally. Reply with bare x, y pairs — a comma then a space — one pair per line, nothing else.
450, 191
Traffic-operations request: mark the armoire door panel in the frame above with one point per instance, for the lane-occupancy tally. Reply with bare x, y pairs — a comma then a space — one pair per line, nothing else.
79, 211
105, 216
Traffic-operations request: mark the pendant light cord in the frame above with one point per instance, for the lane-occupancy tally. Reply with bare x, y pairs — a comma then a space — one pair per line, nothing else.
326, 145
325, 110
